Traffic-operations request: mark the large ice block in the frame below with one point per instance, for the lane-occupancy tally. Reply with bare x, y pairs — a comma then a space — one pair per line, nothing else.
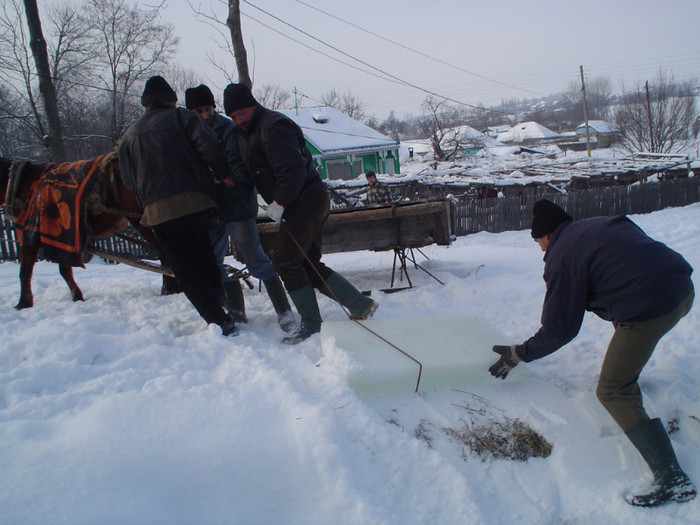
453, 351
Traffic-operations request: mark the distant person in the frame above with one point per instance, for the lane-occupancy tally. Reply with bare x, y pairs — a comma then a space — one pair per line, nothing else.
609, 266
169, 158
377, 193
276, 157
237, 209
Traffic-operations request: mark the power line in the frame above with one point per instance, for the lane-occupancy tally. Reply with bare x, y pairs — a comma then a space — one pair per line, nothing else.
316, 50
438, 60
397, 79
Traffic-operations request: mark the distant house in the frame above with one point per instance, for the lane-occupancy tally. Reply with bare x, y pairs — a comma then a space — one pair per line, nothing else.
599, 131
471, 141
527, 133
493, 131
342, 147
457, 142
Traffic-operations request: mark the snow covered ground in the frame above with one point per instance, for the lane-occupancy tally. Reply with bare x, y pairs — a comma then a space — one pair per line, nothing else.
127, 409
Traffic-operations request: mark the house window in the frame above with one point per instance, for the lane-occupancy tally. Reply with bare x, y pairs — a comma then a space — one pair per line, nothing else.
342, 169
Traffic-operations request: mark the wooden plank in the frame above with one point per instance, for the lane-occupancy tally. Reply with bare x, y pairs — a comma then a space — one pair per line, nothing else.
410, 225
131, 261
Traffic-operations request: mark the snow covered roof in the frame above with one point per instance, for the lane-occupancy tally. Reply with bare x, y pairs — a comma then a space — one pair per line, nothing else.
601, 126
331, 131
470, 134
527, 131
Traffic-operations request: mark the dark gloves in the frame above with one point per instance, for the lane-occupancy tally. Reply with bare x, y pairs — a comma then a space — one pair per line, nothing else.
506, 363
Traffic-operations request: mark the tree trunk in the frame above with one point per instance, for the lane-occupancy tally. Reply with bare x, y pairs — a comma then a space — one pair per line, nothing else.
54, 140
233, 22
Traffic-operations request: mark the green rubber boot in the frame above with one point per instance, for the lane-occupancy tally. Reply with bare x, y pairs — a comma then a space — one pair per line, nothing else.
304, 299
278, 298
670, 482
360, 306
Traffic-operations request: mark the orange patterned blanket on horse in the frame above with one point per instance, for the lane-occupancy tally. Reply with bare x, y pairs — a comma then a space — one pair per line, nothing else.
55, 215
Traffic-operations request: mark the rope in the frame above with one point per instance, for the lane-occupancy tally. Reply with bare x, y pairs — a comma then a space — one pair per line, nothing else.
356, 321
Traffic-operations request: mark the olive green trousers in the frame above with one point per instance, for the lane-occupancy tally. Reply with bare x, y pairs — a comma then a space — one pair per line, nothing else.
629, 351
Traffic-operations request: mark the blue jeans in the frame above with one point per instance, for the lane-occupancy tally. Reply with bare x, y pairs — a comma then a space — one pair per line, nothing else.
245, 234
218, 238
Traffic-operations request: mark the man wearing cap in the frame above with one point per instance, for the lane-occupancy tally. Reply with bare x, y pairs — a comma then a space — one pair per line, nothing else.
280, 165
609, 266
377, 193
237, 209
170, 159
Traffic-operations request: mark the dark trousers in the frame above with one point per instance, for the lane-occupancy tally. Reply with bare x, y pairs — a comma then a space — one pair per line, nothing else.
629, 351
186, 244
297, 251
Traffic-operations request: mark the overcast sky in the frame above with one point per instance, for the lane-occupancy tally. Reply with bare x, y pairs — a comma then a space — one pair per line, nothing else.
473, 52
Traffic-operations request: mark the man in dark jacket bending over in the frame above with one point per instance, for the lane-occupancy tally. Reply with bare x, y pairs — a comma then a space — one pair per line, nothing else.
280, 165
166, 158
609, 266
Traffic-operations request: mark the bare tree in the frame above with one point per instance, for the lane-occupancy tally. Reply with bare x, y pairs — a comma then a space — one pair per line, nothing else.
657, 117
68, 60
393, 126
439, 126
233, 22
599, 101
273, 96
133, 44
54, 137
346, 103
180, 78
18, 74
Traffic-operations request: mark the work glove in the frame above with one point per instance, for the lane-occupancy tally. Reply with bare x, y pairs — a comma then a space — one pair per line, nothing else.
508, 360
275, 211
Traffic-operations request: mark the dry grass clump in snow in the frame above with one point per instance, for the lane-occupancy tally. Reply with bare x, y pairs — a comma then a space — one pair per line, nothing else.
507, 439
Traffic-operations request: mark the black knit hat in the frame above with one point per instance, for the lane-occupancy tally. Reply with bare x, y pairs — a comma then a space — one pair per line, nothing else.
238, 96
157, 90
546, 216
199, 96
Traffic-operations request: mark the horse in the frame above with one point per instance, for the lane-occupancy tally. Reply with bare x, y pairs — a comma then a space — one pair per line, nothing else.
109, 207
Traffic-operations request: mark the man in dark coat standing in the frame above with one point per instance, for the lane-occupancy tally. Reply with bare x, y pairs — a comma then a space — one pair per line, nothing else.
609, 266
237, 209
280, 165
170, 158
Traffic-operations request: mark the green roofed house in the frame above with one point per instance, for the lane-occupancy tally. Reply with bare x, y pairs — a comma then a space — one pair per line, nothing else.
342, 147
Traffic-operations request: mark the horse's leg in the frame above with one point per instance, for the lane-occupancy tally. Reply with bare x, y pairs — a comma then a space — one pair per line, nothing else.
27, 258
67, 274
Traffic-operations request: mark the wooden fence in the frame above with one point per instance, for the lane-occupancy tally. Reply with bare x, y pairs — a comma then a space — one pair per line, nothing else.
474, 215
515, 213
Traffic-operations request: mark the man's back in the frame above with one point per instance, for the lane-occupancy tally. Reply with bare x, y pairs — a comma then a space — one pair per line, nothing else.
625, 274
166, 152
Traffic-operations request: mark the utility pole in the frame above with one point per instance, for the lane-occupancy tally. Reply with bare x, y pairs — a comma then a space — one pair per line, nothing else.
651, 124
585, 113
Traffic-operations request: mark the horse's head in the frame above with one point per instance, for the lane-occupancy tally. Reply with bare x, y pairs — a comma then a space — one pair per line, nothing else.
5, 165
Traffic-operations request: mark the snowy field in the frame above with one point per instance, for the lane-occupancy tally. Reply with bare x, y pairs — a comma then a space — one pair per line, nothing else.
127, 409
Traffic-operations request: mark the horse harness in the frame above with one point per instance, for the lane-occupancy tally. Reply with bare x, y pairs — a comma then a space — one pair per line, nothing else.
13, 203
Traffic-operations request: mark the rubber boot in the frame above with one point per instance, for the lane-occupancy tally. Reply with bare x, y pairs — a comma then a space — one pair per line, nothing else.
304, 299
670, 482
360, 306
233, 301
170, 286
278, 297
228, 327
